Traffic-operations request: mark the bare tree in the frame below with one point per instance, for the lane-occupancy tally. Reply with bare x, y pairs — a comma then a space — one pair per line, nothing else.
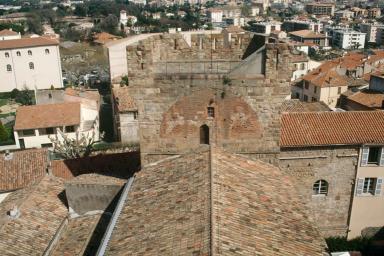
79, 146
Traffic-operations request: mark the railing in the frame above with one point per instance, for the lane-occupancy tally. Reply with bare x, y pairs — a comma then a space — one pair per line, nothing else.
194, 67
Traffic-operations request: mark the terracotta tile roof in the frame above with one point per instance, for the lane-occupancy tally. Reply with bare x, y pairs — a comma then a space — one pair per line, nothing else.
328, 78
369, 98
178, 207
48, 115
88, 94
27, 42
7, 32
41, 214
332, 128
78, 235
251, 214
307, 34
22, 168
123, 99
300, 106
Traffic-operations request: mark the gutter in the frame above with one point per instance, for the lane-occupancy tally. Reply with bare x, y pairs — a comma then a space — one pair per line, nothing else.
111, 226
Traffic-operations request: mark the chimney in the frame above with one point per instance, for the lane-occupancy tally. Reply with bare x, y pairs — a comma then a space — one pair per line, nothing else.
14, 213
8, 156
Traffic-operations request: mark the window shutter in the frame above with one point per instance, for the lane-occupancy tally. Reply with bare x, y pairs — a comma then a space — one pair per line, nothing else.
382, 157
359, 187
364, 156
379, 183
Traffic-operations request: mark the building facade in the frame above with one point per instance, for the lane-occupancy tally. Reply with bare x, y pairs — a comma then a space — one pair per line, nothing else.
35, 125
33, 63
348, 39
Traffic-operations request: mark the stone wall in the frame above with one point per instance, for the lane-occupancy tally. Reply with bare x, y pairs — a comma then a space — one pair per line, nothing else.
172, 106
83, 198
337, 166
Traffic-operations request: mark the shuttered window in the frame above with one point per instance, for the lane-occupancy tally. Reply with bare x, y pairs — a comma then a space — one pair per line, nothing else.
382, 157
359, 187
364, 156
369, 186
379, 184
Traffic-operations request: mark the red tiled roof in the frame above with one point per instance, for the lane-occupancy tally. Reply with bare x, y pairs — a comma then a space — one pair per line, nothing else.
327, 79
332, 128
22, 168
307, 34
27, 42
123, 99
47, 115
7, 32
371, 99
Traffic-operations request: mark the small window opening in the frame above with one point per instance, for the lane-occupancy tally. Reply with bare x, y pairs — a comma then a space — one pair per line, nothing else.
211, 111
320, 187
204, 134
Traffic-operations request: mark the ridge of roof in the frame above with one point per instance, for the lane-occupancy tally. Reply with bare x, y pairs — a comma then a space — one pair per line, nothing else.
182, 209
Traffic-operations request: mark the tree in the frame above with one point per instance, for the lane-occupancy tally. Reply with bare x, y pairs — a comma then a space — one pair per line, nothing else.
34, 24
80, 11
24, 97
3, 133
109, 24
71, 148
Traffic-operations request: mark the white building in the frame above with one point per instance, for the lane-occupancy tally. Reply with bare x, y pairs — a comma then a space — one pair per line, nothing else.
215, 15
6, 34
374, 32
267, 27
35, 124
30, 62
348, 39
123, 17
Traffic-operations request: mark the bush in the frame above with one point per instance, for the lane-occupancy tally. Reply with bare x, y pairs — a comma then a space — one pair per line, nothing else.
3, 133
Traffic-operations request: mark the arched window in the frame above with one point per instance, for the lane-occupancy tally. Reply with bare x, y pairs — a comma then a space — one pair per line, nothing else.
320, 187
18, 53
204, 134
9, 67
46, 51
31, 65
29, 52
6, 55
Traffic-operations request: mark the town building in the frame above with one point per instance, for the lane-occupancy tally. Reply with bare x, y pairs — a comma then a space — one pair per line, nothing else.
335, 156
266, 27
215, 15
374, 13
344, 14
318, 8
125, 116
35, 125
367, 99
374, 32
295, 25
322, 86
348, 39
32, 63
8, 34
308, 36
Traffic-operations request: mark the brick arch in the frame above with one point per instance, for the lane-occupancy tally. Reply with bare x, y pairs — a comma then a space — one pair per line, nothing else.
234, 118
